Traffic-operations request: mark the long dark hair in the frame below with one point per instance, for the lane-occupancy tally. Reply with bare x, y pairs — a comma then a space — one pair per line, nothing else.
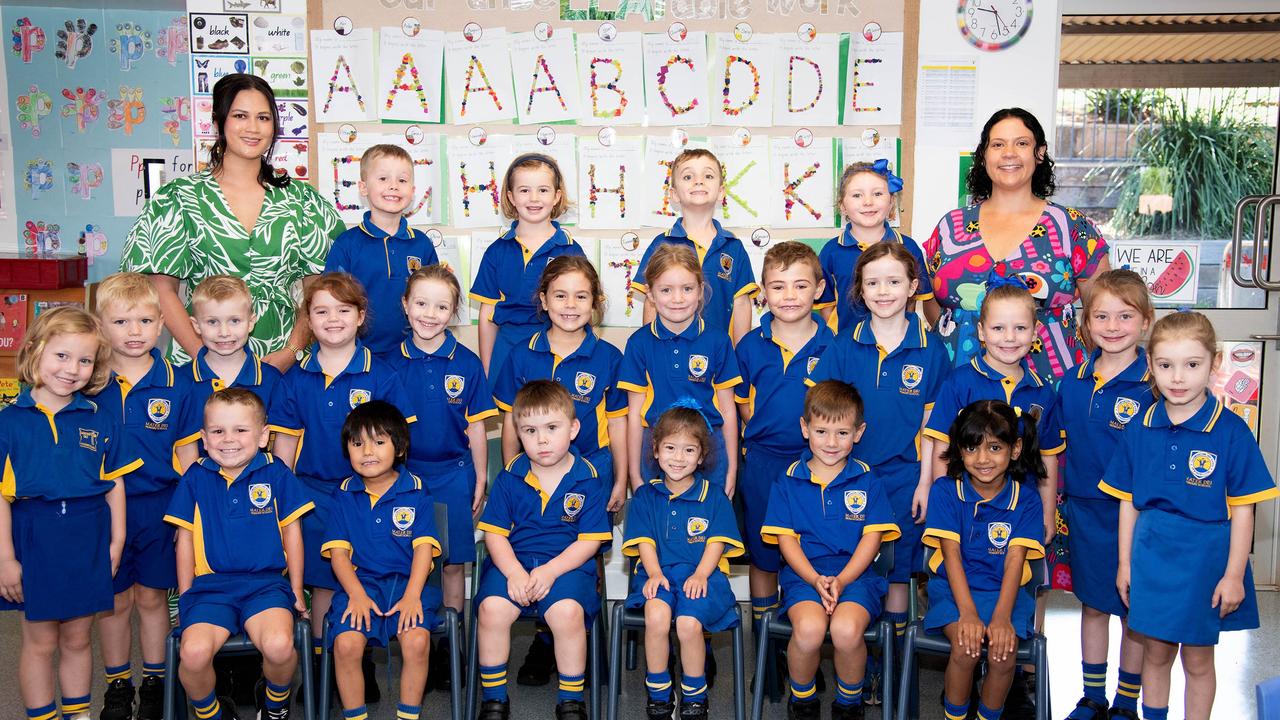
995, 419
224, 93
1042, 184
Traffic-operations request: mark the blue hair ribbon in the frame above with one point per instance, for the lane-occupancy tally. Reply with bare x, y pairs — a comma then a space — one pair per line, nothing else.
881, 168
1126, 266
691, 404
995, 280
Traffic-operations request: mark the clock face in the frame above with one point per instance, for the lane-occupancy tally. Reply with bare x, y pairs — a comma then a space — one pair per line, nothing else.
993, 24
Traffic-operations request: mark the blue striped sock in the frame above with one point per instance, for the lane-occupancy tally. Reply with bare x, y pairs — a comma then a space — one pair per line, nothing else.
493, 682
356, 713
659, 685
1095, 681
848, 694
1127, 691
803, 692
408, 712
758, 607
572, 687
277, 695
153, 670
207, 708
899, 621
48, 712
986, 713
693, 688
72, 706
1150, 713
954, 712
118, 672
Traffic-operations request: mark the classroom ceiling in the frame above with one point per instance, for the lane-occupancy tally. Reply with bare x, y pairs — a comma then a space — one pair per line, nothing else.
1163, 39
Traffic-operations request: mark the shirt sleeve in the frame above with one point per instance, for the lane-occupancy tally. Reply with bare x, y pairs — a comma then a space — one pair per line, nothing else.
632, 375
945, 408
744, 278
637, 282
639, 528
828, 297
777, 514
284, 412
1049, 429
479, 401
828, 367
1088, 247
496, 517
336, 532
924, 287
190, 409
943, 521
742, 391
1117, 480
1248, 480
182, 506
119, 455
292, 501
317, 223
487, 289
727, 374
615, 399
880, 516
425, 531
392, 391
429, 254
505, 385
338, 259
724, 524
1028, 529
159, 241
593, 522
937, 371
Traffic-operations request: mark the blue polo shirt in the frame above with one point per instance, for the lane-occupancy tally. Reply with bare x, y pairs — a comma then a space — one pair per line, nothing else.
680, 526
839, 258
589, 373
509, 273
541, 525
76, 452
897, 388
381, 531
666, 367
383, 274
448, 386
1095, 415
984, 529
254, 374
725, 266
237, 524
313, 406
1198, 469
977, 380
773, 386
828, 520
157, 414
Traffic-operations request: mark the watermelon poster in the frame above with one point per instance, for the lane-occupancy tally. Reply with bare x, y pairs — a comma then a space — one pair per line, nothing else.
1170, 268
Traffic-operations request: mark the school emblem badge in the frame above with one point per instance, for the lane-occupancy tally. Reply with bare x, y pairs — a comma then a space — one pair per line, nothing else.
1202, 464
813, 363
260, 494
402, 517
358, 397
1125, 409
726, 265
911, 376
158, 409
573, 504
696, 526
998, 533
89, 439
413, 263
453, 385
698, 365
855, 501
584, 383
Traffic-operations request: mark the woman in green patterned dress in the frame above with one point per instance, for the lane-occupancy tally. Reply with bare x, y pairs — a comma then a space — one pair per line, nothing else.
237, 217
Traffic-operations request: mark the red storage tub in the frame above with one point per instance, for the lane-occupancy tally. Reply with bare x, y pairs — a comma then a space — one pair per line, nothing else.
43, 272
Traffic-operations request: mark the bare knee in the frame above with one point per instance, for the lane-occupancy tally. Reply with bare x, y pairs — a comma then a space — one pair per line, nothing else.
1159, 654
150, 600
657, 615
688, 629
197, 652
349, 645
496, 612
961, 659
1197, 661
847, 636
414, 644
1001, 667
808, 634
276, 647
565, 615
74, 640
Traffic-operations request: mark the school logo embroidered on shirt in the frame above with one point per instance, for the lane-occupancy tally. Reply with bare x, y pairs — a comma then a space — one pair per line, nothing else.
413, 263
855, 501
698, 365
1125, 409
726, 265
158, 410
998, 533
260, 494
584, 383
89, 439
1202, 464
453, 385
358, 397
573, 504
911, 376
813, 363
402, 518
696, 526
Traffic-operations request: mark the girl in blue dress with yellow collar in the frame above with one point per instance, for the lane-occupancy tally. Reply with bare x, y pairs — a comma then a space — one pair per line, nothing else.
1187, 482
985, 523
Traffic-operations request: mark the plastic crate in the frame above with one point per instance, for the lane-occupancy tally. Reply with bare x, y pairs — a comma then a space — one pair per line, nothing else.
42, 272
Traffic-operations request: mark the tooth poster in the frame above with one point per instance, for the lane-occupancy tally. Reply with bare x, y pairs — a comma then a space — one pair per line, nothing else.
410, 75
803, 183
746, 181
286, 76
807, 86
619, 258
339, 172
610, 183
278, 35
657, 204
226, 33
474, 180
478, 77
873, 91
427, 205
675, 79
342, 76
544, 74
742, 76
611, 74
564, 149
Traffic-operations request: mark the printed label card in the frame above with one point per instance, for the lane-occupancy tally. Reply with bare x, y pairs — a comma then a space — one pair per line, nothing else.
202, 118
339, 172
619, 259
286, 76
475, 181
742, 77
342, 76
226, 33
803, 186
207, 70
427, 206
755, 254
606, 175
873, 91
478, 77
278, 35
544, 75
612, 73
675, 83
807, 88
657, 205
746, 181
410, 75
564, 150
294, 118
291, 156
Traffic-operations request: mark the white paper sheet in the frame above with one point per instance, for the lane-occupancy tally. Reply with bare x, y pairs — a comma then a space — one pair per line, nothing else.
410, 75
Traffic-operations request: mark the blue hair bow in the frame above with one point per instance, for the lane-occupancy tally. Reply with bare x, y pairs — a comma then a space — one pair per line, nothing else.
691, 404
995, 280
881, 168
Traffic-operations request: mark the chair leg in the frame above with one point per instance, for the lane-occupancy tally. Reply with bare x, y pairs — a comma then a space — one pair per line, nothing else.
171, 685
762, 648
739, 672
906, 684
632, 643
888, 652
326, 673
615, 658
595, 650
302, 641
455, 660
473, 667
1044, 709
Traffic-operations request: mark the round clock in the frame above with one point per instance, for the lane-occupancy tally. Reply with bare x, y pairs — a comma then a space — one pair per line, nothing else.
993, 24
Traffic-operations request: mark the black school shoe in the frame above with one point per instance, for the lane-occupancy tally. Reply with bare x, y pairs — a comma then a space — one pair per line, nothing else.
1019, 705
693, 711
571, 710
117, 704
659, 709
494, 710
811, 710
1125, 713
538, 664
151, 699
1098, 709
228, 708
847, 712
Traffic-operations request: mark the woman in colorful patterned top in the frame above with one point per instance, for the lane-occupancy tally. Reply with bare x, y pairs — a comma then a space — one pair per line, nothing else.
237, 217
1012, 229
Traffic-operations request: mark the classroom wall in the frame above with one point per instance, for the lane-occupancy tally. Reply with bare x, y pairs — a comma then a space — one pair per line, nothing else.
8, 219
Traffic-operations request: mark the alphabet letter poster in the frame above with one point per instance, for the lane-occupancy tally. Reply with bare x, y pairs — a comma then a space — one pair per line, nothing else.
742, 77
803, 183
342, 75
612, 75
610, 182
807, 82
478, 77
544, 70
873, 95
475, 181
410, 73
675, 79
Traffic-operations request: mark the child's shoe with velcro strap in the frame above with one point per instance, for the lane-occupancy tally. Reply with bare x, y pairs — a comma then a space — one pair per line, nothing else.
659, 709
571, 710
151, 699
494, 710
693, 711
847, 712
117, 704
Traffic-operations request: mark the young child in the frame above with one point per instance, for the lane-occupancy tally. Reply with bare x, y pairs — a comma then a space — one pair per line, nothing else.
507, 281
386, 184
62, 518
985, 523
236, 512
867, 192
570, 353
704, 368
828, 548
775, 360
900, 368
158, 415
312, 402
697, 186
682, 530
541, 562
222, 315
446, 383
384, 516
1097, 405
1186, 531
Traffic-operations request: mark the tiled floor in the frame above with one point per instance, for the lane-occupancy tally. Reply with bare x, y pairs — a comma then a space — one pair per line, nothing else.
1243, 660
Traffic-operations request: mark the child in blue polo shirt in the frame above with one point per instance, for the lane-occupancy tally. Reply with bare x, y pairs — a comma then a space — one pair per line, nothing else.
222, 315
679, 356
1187, 479
828, 515
985, 523
386, 184
236, 512
157, 409
532, 198
1098, 405
544, 524
867, 192
775, 360
384, 516
682, 529
697, 185
312, 402
62, 507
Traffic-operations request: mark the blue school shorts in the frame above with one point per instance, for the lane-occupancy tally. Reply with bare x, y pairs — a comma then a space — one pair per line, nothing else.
229, 599
385, 592
317, 572
759, 471
900, 480
149, 557
943, 610
715, 466
578, 585
868, 590
1094, 538
453, 482
64, 549
717, 610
